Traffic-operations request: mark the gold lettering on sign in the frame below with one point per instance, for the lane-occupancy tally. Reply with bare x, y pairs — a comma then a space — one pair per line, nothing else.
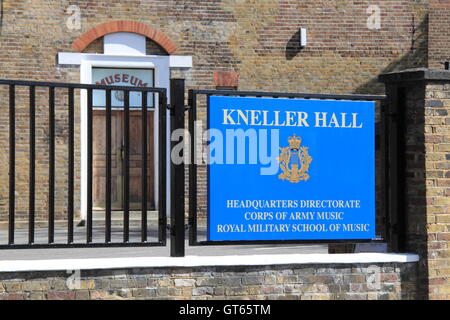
278, 118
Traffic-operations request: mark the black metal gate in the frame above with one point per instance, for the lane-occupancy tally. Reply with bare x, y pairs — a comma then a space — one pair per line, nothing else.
382, 142
60, 98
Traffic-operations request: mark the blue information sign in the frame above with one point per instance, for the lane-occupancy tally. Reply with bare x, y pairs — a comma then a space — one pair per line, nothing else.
285, 169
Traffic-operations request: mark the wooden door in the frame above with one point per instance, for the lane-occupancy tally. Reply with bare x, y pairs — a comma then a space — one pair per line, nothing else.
117, 162
136, 161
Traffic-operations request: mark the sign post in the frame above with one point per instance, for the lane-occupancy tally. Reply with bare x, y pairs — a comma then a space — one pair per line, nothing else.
177, 245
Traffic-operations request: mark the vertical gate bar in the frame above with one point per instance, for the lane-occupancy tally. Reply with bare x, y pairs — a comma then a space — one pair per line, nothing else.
12, 162
400, 173
208, 97
126, 165
32, 166
177, 245
384, 168
51, 167
89, 167
70, 196
192, 170
394, 129
162, 214
144, 168
393, 169
108, 168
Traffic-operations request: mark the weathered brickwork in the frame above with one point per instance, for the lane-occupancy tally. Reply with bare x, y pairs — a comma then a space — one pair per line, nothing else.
439, 33
437, 144
257, 39
258, 42
305, 282
427, 174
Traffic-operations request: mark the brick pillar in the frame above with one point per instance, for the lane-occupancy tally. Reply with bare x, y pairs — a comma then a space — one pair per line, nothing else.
422, 99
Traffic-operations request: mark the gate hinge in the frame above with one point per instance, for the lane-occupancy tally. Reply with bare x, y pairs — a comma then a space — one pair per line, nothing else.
186, 107
171, 228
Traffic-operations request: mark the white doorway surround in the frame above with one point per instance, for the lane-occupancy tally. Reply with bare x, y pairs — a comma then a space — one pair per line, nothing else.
122, 50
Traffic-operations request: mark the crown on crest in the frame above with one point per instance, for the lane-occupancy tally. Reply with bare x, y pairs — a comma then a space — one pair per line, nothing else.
294, 142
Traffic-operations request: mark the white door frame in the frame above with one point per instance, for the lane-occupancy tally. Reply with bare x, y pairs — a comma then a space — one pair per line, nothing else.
160, 65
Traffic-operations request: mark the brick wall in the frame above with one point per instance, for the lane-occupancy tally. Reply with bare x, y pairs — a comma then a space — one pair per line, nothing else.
439, 33
306, 282
437, 139
427, 174
257, 39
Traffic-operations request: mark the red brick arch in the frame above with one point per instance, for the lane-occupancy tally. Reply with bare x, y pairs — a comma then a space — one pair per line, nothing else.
124, 26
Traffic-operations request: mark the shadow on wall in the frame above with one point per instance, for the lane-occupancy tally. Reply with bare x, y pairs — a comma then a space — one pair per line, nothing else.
415, 58
407, 106
293, 46
409, 101
408, 112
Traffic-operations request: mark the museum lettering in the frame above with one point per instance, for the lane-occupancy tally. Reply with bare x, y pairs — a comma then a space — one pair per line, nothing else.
122, 78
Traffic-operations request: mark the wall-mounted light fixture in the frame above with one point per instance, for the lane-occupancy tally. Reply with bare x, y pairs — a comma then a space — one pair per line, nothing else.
303, 37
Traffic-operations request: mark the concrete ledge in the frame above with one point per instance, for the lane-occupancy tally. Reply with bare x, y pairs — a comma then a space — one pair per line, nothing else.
417, 74
202, 261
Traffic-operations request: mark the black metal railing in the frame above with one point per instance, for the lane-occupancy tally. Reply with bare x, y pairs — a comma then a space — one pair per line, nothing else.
83, 94
382, 141
72, 239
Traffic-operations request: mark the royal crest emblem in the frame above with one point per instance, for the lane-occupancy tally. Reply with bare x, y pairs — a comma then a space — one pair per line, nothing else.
294, 161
